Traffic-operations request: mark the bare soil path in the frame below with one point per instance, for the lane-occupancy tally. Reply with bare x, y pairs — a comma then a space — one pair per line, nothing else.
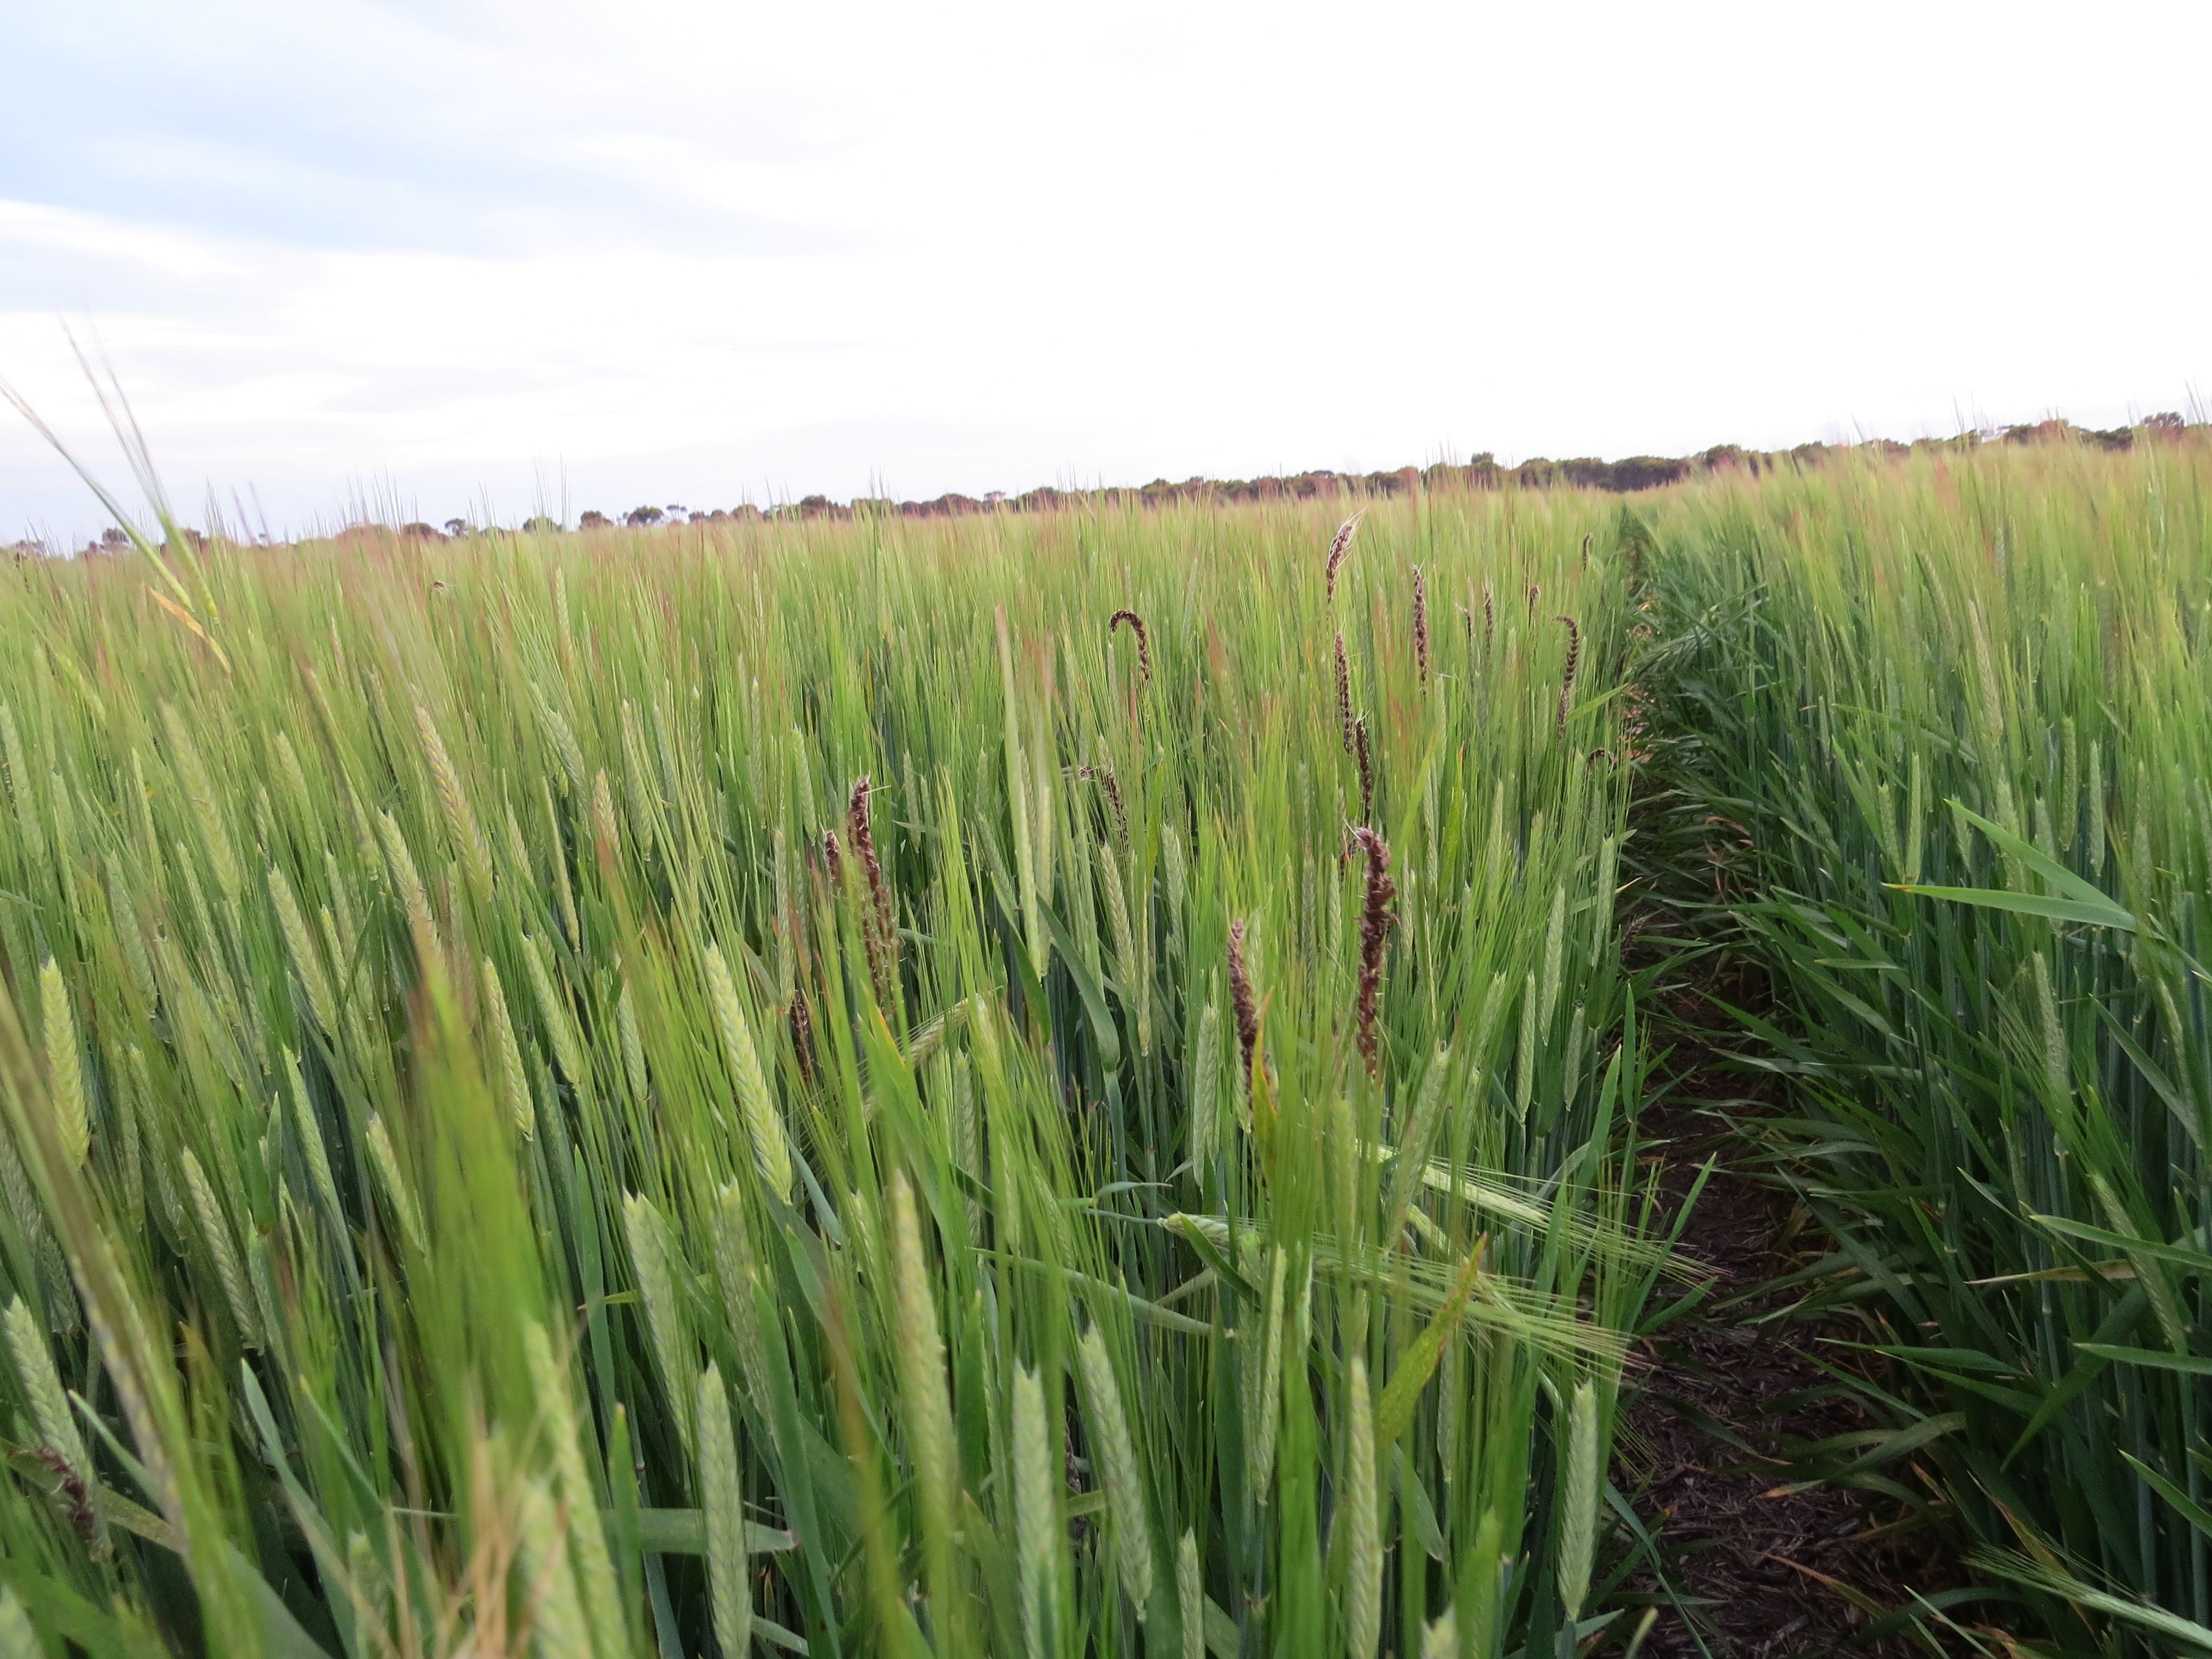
1764, 1563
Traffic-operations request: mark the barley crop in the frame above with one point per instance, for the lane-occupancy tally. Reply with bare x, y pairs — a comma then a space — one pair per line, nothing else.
631, 1094
1997, 1003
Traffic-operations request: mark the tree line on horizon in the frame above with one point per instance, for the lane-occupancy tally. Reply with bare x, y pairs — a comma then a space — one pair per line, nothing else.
1483, 470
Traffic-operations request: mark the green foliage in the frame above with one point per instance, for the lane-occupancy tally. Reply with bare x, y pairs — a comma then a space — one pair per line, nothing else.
515, 1150
1954, 710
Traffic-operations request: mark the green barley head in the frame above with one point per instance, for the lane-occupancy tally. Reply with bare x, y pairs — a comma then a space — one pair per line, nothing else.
65, 1065
771, 1144
50, 1407
1190, 1596
514, 1083
1362, 1595
1579, 1519
384, 1159
214, 1227
1115, 1456
721, 1495
559, 1625
1037, 1526
649, 1253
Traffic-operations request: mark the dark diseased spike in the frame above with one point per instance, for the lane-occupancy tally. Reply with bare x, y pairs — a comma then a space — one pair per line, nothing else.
1420, 627
1375, 923
1241, 999
75, 1497
1110, 787
802, 1036
1366, 769
879, 929
1489, 616
1338, 549
1574, 662
833, 859
1343, 695
1144, 640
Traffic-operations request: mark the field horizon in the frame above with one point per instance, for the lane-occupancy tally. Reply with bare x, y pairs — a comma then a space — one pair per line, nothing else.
1626, 476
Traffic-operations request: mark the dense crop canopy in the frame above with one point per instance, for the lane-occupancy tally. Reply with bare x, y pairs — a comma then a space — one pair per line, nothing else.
625, 1094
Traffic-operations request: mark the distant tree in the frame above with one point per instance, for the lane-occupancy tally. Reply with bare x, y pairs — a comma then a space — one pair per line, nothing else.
677, 506
113, 537
593, 519
457, 527
540, 524
642, 515
421, 533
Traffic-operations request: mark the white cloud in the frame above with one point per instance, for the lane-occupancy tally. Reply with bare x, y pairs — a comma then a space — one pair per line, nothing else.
695, 252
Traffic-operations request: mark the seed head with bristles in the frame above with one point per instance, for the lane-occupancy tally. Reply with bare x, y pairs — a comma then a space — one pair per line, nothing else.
1190, 1595
1038, 1531
1359, 751
1110, 787
34, 1368
1420, 626
1144, 640
1339, 548
738, 1269
650, 1249
1114, 1456
802, 1036
1241, 999
632, 1046
453, 803
933, 1447
879, 930
722, 1493
1375, 923
311, 1142
553, 1011
64, 1064
605, 834
230, 1274
763, 1126
586, 1541
559, 1621
384, 1160
1362, 1595
1204, 1103
407, 881
314, 984
513, 1080
1343, 694
1574, 662
206, 804
1578, 1520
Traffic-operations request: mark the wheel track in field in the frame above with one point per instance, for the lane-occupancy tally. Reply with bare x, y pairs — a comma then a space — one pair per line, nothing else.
1765, 1563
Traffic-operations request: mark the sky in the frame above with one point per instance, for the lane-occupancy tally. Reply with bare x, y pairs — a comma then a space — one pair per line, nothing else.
478, 258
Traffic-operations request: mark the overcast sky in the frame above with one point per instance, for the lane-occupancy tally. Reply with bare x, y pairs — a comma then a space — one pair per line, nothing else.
453, 258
